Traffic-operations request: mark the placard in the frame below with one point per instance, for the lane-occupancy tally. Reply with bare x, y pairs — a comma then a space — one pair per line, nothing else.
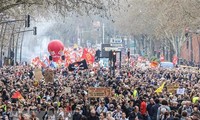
99, 92
104, 62
49, 75
66, 90
38, 74
180, 91
172, 88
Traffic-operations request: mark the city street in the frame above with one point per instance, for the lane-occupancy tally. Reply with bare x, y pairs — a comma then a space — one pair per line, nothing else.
100, 60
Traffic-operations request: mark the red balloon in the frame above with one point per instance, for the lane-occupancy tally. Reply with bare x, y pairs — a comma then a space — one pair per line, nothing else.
55, 48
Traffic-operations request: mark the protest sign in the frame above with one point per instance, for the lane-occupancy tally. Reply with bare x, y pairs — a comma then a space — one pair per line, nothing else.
38, 74
66, 90
171, 88
49, 76
180, 91
99, 92
104, 62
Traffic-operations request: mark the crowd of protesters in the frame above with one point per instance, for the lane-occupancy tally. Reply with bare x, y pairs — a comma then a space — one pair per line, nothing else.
133, 94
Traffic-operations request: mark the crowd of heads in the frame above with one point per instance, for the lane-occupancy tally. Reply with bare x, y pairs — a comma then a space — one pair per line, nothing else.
132, 97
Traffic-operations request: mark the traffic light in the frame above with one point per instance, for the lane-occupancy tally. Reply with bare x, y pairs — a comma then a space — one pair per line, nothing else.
114, 56
110, 55
128, 53
12, 54
34, 30
27, 21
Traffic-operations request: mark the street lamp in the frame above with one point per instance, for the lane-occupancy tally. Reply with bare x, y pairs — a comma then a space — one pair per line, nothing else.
128, 54
110, 61
114, 60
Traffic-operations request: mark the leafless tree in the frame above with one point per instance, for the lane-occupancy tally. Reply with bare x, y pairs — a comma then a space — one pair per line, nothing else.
160, 19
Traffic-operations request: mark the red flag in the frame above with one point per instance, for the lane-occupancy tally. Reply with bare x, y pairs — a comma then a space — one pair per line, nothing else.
154, 64
34, 60
88, 56
175, 59
17, 95
132, 62
162, 58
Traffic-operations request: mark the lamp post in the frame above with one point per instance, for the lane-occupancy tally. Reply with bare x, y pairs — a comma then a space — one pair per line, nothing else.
21, 45
114, 60
110, 61
128, 55
103, 29
11, 42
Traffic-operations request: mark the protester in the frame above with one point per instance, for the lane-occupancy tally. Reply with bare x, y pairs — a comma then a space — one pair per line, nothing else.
133, 94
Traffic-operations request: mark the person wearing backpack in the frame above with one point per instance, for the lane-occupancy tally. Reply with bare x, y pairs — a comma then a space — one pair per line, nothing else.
162, 109
155, 109
188, 108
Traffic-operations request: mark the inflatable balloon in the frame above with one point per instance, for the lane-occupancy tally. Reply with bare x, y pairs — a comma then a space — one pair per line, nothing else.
55, 48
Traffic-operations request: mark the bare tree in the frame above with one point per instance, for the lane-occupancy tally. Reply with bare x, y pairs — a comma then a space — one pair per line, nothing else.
160, 19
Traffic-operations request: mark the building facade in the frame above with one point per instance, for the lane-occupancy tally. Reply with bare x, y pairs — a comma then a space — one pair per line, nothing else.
190, 51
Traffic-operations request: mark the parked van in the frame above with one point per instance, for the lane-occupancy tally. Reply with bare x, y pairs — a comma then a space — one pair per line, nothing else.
166, 65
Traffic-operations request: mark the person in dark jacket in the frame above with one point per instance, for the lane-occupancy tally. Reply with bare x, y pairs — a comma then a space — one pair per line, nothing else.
30, 74
150, 108
93, 115
132, 115
135, 114
155, 109
77, 115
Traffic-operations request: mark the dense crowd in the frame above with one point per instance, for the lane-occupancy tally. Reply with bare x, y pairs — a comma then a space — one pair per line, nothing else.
133, 94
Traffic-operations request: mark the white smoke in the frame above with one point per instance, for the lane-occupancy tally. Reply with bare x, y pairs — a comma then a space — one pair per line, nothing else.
34, 46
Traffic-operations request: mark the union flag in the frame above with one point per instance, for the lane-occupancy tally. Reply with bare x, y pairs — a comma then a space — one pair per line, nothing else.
162, 58
88, 56
175, 59
17, 95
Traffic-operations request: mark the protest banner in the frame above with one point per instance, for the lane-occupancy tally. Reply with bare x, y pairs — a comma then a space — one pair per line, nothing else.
49, 76
99, 92
38, 74
171, 88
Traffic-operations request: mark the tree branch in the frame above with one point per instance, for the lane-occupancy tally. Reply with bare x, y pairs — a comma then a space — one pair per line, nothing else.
4, 8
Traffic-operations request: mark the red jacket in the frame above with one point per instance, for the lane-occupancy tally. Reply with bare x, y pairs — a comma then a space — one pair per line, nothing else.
68, 109
143, 108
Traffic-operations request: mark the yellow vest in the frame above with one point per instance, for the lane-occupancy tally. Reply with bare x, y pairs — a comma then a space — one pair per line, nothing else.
195, 99
58, 104
135, 93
